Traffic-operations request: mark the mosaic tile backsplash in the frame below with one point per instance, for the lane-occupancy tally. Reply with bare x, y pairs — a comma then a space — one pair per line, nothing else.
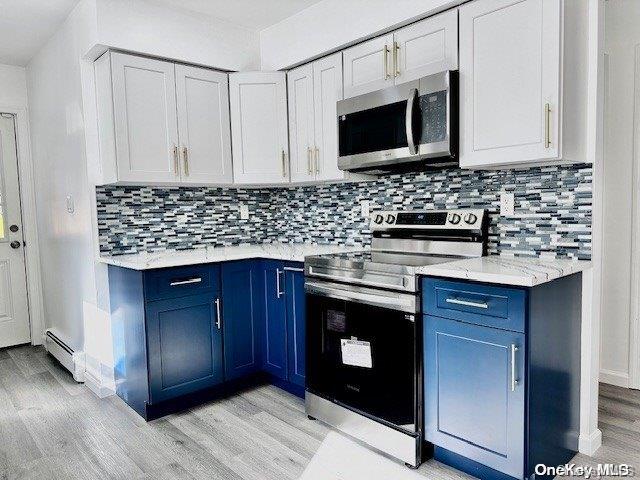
552, 211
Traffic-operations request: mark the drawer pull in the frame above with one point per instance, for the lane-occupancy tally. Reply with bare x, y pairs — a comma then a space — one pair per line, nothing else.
186, 282
467, 303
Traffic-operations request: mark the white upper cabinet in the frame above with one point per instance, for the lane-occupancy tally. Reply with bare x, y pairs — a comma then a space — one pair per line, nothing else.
161, 123
509, 82
259, 133
203, 123
426, 47
327, 90
146, 126
367, 66
301, 118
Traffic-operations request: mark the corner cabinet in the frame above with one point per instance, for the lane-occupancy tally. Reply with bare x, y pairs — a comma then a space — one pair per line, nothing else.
161, 123
259, 127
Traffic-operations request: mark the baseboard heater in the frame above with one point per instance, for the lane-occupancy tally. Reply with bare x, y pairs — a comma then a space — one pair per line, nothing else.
62, 352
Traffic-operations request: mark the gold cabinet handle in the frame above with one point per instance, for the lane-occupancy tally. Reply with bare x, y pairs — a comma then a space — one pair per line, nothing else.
385, 59
176, 164
317, 155
310, 160
185, 159
396, 59
547, 125
284, 165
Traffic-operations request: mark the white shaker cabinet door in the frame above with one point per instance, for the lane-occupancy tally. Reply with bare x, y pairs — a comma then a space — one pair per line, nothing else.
204, 126
509, 82
327, 90
301, 131
426, 47
259, 134
368, 66
145, 119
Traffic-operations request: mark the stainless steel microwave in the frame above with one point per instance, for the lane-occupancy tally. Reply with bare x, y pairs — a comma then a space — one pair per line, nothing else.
405, 126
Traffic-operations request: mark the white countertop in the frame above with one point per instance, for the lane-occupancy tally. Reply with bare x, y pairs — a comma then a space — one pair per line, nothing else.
507, 270
294, 252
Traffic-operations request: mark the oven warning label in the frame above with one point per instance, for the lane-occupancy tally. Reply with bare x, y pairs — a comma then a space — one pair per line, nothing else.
356, 352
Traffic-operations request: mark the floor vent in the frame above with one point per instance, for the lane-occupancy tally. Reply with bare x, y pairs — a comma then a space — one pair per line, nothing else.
68, 358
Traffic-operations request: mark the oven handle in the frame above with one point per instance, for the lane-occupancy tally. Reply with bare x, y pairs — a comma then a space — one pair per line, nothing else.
408, 121
314, 272
393, 301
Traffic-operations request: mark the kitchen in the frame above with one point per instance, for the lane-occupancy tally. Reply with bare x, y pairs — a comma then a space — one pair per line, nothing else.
379, 241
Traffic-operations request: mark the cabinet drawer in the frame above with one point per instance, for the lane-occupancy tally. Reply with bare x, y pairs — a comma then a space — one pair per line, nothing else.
181, 281
475, 303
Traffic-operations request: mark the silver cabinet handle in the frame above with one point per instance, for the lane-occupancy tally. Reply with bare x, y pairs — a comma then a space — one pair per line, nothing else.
310, 160
413, 97
396, 59
185, 159
317, 158
279, 293
466, 303
176, 164
514, 380
284, 165
547, 125
218, 316
385, 59
293, 269
186, 282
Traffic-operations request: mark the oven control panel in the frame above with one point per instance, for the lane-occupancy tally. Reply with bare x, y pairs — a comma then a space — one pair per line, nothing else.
428, 219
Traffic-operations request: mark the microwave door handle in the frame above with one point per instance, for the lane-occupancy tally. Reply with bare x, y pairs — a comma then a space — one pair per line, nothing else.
411, 101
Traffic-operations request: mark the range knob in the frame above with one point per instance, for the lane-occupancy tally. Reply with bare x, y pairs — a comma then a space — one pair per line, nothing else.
454, 219
470, 218
378, 219
391, 218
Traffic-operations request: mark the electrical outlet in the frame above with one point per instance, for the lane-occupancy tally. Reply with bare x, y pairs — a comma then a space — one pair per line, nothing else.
244, 211
71, 206
364, 208
507, 204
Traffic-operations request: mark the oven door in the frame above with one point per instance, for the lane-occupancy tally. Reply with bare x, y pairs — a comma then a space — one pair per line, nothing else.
361, 351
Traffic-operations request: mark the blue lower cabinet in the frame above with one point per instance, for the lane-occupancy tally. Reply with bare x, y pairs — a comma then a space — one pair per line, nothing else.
474, 395
295, 300
275, 319
240, 318
184, 346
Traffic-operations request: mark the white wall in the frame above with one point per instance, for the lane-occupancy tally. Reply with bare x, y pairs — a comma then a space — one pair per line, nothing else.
333, 24
13, 86
622, 35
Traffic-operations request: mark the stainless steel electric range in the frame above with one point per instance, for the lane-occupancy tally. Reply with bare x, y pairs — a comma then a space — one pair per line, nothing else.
364, 326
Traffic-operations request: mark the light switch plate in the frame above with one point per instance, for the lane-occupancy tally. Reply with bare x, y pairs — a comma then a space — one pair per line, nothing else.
364, 208
244, 211
507, 204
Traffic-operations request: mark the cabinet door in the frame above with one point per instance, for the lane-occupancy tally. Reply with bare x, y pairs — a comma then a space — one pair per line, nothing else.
509, 82
145, 118
301, 141
259, 130
184, 346
426, 47
327, 90
204, 127
240, 318
275, 327
295, 296
471, 406
367, 66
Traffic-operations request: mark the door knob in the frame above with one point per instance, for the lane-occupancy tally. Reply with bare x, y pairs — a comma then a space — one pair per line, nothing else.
15, 244
13, 228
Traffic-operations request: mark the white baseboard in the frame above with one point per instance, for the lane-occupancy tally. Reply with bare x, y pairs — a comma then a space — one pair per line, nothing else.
99, 378
589, 444
619, 379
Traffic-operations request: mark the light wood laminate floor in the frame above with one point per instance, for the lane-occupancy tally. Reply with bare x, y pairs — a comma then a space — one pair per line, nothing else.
52, 427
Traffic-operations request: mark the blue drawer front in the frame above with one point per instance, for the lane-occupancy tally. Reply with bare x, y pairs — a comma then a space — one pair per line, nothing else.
479, 304
181, 281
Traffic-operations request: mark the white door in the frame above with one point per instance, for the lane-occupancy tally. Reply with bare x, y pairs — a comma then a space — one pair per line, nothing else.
14, 314
203, 123
426, 47
146, 125
301, 141
367, 66
259, 131
327, 90
509, 81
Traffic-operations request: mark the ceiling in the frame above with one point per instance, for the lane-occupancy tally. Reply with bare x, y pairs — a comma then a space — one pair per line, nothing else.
26, 25
252, 14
